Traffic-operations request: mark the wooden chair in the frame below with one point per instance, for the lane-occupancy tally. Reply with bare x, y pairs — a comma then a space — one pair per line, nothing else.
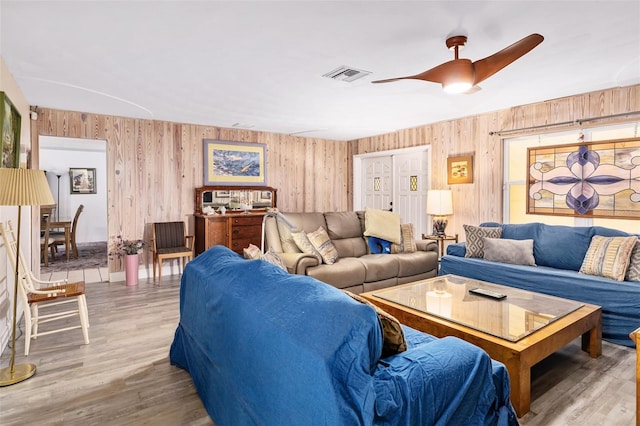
35, 294
46, 242
170, 242
59, 237
635, 336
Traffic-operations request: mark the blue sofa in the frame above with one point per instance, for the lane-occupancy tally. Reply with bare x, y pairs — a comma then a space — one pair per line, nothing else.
558, 252
264, 347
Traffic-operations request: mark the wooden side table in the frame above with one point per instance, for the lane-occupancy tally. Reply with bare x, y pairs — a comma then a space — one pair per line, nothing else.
440, 239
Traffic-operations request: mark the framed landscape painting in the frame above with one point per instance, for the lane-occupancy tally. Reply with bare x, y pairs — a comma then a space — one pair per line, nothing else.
9, 132
234, 163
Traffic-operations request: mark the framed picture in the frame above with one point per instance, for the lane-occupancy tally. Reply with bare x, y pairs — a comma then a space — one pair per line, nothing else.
265, 195
83, 181
460, 170
234, 163
9, 133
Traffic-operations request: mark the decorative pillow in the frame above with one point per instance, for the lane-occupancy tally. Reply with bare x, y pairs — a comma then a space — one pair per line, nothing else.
474, 239
408, 244
517, 252
303, 243
379, 246
608, 256
382, 224
274, 258
252, 252
633, 271
319, 239
393, 340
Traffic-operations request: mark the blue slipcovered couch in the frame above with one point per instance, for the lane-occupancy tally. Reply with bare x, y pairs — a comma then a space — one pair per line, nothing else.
264, 347
558, 252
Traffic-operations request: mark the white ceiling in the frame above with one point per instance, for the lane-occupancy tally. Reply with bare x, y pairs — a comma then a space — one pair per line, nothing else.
259, 64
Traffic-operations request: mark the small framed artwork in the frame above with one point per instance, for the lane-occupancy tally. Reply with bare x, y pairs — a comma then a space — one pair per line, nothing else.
83, 181
234, 163
9, 133
460, 170
265, 195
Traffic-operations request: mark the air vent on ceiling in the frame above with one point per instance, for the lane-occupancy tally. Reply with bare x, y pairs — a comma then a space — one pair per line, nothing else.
348, 74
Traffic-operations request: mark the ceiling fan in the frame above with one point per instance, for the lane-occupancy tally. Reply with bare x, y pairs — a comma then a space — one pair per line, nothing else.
462, 75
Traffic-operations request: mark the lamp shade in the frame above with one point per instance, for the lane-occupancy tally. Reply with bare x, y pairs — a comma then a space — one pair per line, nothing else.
439, 202
24, 187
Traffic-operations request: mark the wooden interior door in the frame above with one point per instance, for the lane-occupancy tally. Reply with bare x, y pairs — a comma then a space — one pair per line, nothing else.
377, 182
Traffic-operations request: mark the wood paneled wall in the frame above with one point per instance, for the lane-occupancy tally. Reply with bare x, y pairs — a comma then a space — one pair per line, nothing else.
154, 166
481, 201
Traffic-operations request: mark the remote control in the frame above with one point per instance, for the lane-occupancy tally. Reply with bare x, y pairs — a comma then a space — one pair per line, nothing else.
487, 293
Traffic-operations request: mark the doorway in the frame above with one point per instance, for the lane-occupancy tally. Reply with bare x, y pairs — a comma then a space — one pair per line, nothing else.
59, 155
395, 180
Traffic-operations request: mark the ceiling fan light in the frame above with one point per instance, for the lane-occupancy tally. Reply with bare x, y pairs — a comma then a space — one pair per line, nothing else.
457, 87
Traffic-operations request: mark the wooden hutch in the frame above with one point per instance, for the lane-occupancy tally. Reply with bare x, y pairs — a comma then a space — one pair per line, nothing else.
240, 224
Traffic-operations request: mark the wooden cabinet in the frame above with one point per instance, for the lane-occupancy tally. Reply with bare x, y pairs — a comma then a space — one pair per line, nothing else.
236, 231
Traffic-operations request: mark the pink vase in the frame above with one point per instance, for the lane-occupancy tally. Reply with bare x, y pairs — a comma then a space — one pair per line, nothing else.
131, 269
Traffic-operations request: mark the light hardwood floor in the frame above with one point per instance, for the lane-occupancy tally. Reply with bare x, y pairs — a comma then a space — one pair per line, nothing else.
123, 377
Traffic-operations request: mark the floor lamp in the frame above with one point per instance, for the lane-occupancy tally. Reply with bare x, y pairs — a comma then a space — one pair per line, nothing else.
20, 187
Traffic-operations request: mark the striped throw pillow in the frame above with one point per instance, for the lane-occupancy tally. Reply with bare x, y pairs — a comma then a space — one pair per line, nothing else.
608, 257
408, 244
320, 241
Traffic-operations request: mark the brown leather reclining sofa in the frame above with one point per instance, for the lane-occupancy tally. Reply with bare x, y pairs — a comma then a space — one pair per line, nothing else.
356, 269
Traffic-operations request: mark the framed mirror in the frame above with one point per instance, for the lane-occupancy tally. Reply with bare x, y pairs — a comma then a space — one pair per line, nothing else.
234, 199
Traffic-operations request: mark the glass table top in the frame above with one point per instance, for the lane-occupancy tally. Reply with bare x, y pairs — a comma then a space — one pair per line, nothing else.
519, 314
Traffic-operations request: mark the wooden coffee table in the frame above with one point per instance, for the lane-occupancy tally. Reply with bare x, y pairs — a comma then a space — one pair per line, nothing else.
519, 330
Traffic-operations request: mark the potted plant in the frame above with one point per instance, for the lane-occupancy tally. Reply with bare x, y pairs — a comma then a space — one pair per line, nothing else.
129, 249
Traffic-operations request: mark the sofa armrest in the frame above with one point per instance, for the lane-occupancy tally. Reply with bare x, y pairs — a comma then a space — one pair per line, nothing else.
297, 263
445, 381
427, 245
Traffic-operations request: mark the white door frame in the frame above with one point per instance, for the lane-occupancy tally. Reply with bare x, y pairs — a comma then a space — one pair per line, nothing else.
357, 169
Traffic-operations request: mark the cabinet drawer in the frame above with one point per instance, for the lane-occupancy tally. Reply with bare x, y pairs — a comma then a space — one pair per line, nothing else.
247, 221
245, 231
238, 244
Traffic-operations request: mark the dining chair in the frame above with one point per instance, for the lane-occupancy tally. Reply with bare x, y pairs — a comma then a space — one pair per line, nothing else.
46, 242
60, 236
36, 294
170, 242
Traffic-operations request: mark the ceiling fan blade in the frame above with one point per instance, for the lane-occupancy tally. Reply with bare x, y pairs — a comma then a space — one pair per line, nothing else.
436, 75
485, 68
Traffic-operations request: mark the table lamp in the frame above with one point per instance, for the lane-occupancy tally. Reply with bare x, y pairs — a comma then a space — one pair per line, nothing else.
439, 205
20, 187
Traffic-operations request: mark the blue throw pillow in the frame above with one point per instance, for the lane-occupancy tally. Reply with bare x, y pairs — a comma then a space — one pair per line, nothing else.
378, 245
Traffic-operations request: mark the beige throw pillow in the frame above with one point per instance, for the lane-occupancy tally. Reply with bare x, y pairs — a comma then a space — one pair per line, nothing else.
608, 257
252, 252
303, 243
382, 224
321, 242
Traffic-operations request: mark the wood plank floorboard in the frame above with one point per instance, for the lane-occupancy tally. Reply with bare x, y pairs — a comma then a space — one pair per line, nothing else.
123, 377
